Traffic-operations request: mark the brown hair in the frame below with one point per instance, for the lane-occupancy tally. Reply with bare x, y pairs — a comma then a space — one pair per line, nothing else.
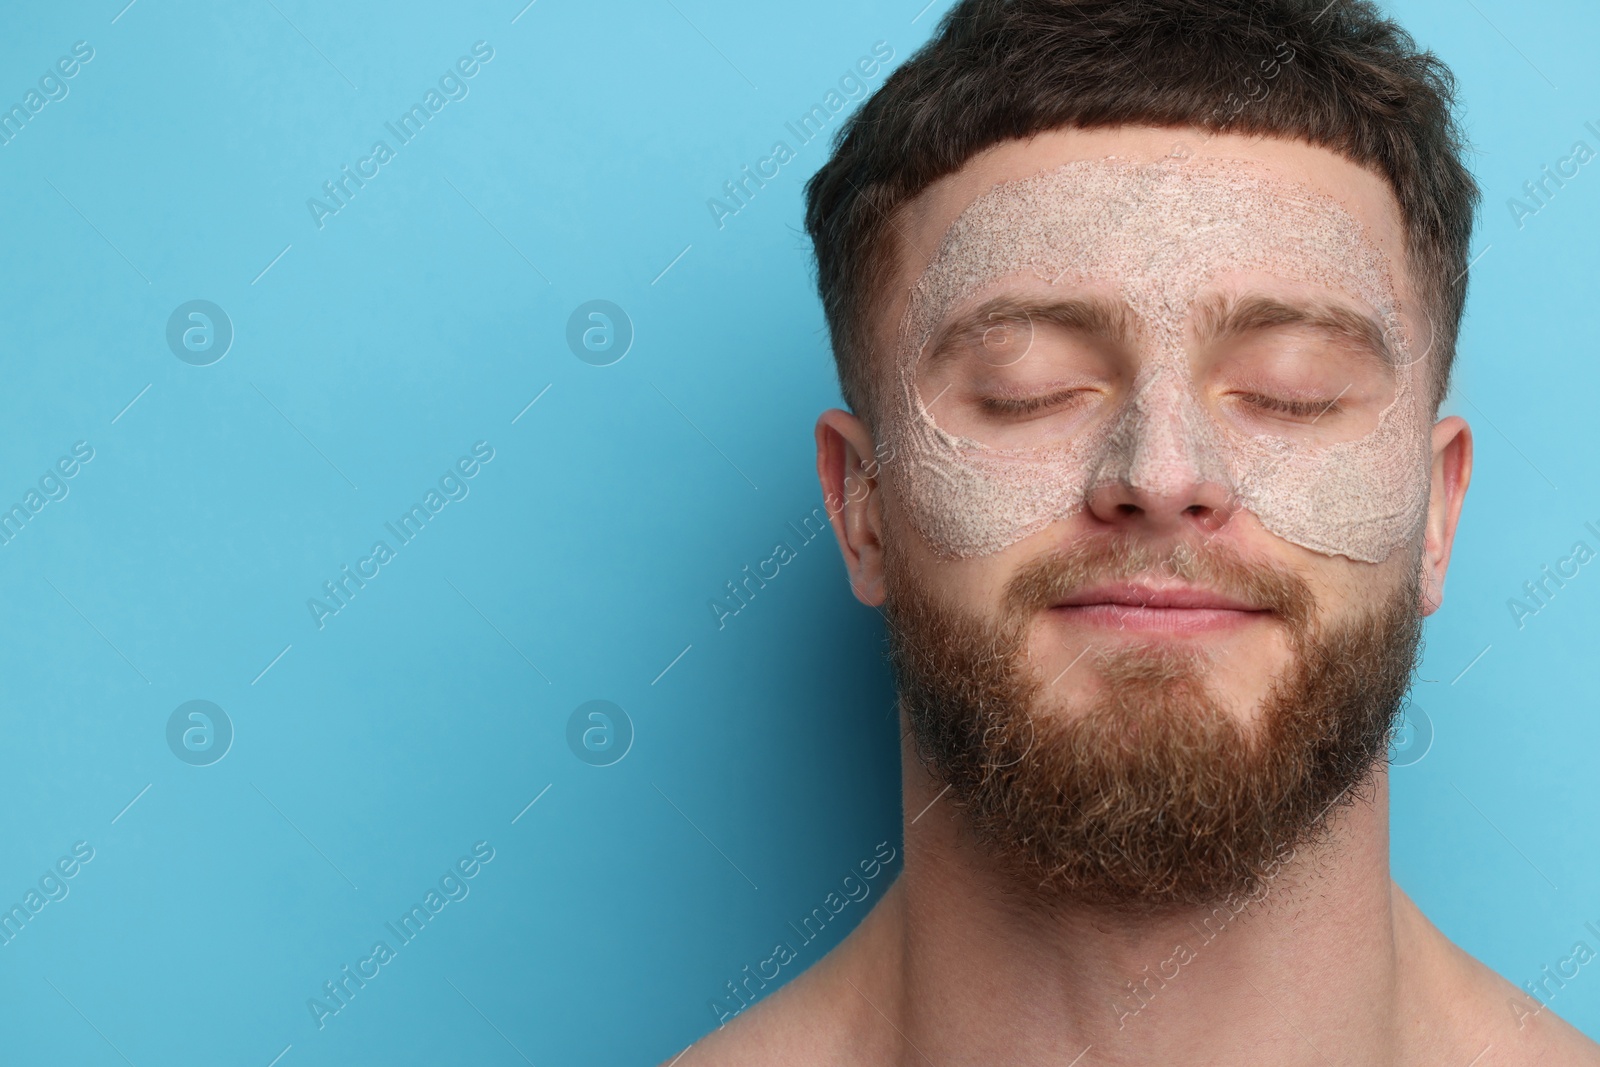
996, 70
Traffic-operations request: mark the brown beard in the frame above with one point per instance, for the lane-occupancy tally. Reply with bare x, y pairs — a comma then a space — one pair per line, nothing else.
1156, 795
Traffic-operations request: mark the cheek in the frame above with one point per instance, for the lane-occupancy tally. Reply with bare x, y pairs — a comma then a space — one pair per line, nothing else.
1361, 499
914, 569
966, 503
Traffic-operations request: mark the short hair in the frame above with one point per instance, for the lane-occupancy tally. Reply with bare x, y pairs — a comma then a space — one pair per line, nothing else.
997, 70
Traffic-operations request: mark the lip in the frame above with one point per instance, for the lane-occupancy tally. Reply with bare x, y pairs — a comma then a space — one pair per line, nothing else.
1157, 608
1132, 594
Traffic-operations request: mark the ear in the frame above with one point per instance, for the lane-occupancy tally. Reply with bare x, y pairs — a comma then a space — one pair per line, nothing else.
1452, 470
848, 469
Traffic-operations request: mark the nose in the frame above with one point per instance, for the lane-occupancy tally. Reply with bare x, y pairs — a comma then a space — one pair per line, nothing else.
1161, 469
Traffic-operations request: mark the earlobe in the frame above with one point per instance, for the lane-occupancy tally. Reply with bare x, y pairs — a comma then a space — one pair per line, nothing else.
848, 472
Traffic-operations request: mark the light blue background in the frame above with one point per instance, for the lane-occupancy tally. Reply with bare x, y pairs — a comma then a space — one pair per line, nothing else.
428, 713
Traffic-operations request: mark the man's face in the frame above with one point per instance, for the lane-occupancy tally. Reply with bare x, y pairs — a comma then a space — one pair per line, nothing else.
1162, 508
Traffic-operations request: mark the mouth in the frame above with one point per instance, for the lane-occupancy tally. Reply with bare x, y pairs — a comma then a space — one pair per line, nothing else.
1157, 609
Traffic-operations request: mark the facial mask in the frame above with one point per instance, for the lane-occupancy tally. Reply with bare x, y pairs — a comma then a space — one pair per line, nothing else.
1166, 240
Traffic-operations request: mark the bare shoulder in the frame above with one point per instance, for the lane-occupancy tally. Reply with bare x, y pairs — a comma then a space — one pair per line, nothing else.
1516, 1028
792, 1026
817, 1020
1481, 1013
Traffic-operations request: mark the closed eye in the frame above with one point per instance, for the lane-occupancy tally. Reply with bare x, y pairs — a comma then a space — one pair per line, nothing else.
1017, 407
1309, 409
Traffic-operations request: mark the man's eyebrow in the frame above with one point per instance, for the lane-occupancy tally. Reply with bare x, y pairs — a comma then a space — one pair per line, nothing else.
1222, 317
1090, 315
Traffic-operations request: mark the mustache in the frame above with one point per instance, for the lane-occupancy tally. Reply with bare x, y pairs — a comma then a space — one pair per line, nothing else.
1057, 575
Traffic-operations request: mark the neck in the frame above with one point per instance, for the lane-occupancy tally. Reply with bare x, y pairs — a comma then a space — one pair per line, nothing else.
1306, 971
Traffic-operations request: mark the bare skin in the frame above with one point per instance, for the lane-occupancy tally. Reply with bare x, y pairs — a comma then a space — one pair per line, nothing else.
1334, 964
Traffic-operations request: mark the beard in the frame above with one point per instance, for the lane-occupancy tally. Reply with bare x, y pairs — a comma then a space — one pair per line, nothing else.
1155, 795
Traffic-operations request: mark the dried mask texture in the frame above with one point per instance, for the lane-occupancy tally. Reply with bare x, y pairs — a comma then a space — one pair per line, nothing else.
1160, 235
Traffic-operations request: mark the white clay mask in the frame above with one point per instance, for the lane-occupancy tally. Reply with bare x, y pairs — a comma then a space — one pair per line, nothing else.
1159, 325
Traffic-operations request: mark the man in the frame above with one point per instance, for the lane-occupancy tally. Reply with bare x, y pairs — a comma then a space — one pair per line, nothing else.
1145, 310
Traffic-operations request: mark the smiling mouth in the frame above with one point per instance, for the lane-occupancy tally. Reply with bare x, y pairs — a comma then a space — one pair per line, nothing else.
1157, 609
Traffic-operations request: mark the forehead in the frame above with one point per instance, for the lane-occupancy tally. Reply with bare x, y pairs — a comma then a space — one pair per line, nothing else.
923, 222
